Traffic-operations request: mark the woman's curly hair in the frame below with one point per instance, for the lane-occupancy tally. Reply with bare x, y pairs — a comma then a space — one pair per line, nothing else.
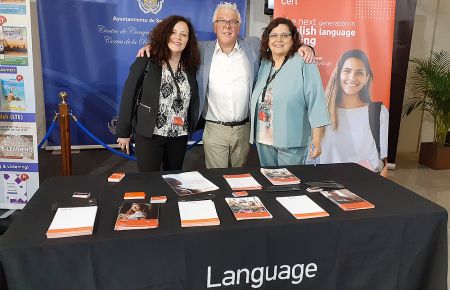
264, 52
159, 37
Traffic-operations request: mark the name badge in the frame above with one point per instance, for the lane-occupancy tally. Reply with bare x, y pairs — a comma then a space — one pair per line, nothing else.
262, 116
179, 121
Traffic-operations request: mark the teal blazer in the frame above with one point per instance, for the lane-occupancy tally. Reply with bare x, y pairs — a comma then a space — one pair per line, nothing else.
298, 102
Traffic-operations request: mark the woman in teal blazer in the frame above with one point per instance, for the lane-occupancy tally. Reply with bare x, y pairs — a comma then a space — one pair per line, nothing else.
288, 106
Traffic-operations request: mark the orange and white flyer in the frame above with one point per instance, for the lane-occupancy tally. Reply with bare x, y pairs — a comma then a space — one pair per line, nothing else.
136, 216
198, 213
158, 199
280, 176
116, 177
187, 183
72, 221
242, 182
245, 208
134, 195
302, 207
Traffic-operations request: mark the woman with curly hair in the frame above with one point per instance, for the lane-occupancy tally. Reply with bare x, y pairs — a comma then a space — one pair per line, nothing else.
288, 107
168, 107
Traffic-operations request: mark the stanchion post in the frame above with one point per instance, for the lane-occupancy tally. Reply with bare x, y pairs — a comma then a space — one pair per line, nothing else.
64, 127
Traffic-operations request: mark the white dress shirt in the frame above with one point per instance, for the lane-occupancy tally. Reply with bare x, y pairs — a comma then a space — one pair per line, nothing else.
228, 91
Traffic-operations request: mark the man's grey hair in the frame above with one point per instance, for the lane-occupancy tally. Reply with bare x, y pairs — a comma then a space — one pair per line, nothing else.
226, 5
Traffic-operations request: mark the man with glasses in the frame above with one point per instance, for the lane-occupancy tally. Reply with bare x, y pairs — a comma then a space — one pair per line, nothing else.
225, 80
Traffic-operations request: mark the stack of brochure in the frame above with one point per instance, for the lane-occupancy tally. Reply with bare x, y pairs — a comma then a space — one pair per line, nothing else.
81, 195
136, 216
280, 176
302, 207
346, 199
250, 207
116, 177
134, 195
158, 199
72, 221
189, 183
198, 213
242, 182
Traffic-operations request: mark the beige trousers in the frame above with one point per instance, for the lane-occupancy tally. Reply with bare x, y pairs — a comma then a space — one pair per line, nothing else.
226, 145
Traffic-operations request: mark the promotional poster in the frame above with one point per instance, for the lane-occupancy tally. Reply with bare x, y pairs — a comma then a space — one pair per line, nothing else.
19, 177
353, 43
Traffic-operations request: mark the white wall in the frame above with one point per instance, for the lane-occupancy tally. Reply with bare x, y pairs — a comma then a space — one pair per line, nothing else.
256, 20
431, 32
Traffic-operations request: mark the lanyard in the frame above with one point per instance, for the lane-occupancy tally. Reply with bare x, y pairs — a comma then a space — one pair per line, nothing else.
270, 78
174, 79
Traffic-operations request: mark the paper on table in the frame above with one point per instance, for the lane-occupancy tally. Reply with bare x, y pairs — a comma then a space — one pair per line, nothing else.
250, 207
137, 215
187, 183
302, 207
198, 213
72, 221
280, 176
158, 199
346, 199
134, 195
242, 182
116, 177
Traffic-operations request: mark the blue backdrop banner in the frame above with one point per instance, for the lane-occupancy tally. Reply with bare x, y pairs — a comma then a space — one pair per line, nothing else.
87, 48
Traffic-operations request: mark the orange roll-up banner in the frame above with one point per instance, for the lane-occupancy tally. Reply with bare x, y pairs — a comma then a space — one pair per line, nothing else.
333, 27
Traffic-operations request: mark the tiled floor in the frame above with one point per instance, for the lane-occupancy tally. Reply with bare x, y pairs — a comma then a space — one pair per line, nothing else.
431, 184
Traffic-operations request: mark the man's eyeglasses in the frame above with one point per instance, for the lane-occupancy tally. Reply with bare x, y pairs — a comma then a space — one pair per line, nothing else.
282, 35
223, 22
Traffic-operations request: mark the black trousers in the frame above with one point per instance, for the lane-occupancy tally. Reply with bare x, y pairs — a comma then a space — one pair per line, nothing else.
152, 152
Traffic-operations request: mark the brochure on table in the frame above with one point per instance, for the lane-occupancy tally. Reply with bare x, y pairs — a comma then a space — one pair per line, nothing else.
249, 207
302, 207
243, 181
198, 213
72, 221
137, 215
347, 200
280, 176
187, 183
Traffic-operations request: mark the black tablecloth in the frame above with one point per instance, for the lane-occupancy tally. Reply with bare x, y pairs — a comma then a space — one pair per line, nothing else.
401, 244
